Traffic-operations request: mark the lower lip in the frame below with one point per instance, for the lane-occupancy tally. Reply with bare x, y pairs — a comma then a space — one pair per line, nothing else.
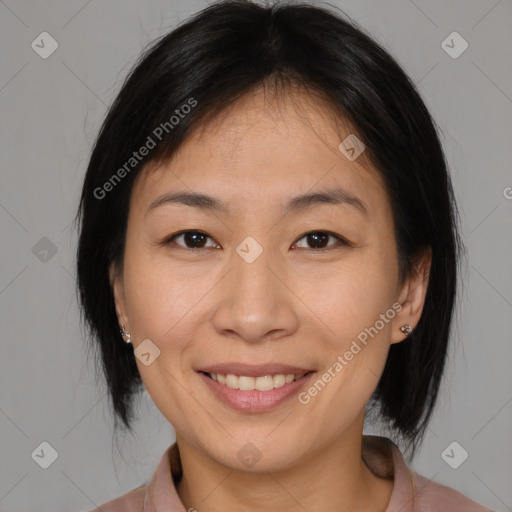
254, 401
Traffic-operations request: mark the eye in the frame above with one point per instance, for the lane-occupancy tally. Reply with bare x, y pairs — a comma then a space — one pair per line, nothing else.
319, 240
192, 239
197, 240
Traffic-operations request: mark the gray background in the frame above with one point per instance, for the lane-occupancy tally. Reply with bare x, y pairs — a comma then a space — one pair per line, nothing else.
51, 110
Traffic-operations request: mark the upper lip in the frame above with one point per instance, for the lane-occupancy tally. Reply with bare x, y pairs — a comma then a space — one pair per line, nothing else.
250, 370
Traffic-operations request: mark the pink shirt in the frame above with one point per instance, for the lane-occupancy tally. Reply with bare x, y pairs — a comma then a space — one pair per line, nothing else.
411, 492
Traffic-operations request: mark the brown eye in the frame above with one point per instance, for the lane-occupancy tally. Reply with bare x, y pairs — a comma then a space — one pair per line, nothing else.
320, 239
191, 239
315, 240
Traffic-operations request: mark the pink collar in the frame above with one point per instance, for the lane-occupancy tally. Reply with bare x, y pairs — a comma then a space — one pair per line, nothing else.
380, 454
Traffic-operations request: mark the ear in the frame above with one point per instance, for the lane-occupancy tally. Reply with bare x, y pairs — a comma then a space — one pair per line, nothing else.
412, 295
116, 281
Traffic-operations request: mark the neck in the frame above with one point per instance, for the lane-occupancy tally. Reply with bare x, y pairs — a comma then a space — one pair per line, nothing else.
334, 479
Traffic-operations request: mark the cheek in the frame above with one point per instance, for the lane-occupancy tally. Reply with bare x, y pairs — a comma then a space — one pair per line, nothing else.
358, 310
160, 299
160, 305
352, 298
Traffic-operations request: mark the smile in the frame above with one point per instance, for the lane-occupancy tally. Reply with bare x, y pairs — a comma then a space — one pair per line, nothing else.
261, 383
259, 392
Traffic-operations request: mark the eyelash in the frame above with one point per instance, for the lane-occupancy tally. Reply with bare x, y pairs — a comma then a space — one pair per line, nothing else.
342, 241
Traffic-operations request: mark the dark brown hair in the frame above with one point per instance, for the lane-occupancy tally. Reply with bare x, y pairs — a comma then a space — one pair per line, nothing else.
222, 53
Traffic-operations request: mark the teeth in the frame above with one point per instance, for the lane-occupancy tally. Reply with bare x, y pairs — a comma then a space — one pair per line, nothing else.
279, 380
232, 381
263, 383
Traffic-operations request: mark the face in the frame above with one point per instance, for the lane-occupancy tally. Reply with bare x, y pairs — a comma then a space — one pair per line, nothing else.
257, 285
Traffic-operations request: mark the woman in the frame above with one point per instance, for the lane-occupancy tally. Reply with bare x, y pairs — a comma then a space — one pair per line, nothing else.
268, 223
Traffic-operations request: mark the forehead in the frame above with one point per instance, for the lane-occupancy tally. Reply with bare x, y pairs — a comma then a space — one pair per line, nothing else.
261, 150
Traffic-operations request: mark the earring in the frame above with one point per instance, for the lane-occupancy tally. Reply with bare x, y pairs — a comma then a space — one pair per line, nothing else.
126, 337
406, 329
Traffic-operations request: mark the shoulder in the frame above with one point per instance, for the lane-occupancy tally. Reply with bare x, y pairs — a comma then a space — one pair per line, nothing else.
132, 501
411, 492
432, 496
158, 493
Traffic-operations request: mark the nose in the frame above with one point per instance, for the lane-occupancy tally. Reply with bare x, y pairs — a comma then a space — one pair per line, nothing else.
254, 303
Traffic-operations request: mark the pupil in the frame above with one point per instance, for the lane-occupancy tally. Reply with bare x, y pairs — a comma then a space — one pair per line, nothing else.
194, 237
315, 236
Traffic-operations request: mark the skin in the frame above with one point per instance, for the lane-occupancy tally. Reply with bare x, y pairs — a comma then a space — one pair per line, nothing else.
294, 304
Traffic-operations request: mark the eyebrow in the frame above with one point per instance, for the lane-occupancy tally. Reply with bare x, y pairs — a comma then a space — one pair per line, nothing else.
334, 196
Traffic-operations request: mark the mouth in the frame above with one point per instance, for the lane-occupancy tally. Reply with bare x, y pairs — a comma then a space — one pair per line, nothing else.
259, 383
254, 388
